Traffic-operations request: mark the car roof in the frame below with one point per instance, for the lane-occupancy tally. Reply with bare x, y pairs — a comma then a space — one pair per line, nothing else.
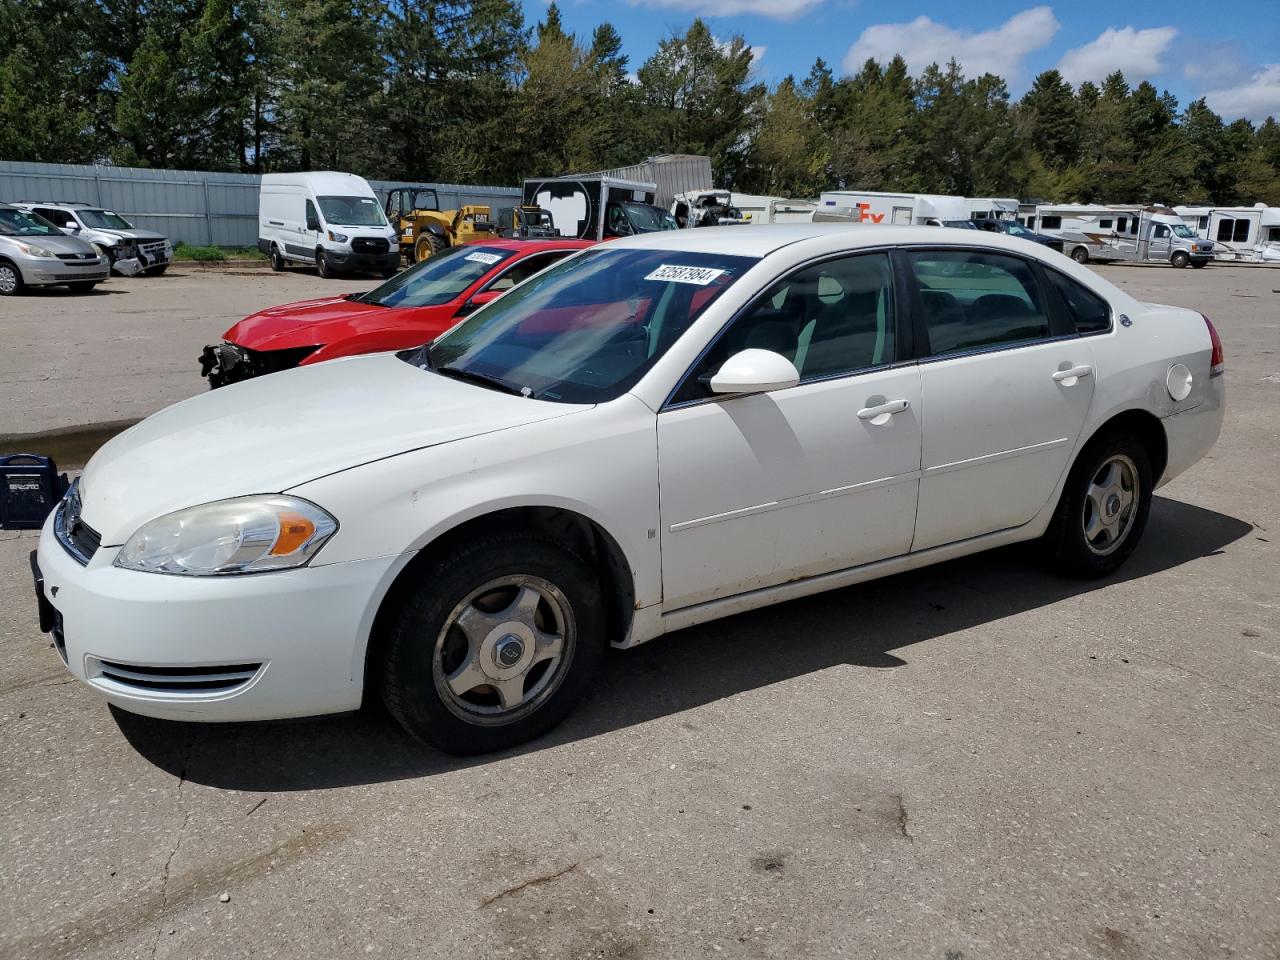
78, 204
761, 241
534, 246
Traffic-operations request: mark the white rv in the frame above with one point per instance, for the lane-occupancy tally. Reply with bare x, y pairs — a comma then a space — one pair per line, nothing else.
331, 220
935, 210
1250, 234
764, 209
1108, 232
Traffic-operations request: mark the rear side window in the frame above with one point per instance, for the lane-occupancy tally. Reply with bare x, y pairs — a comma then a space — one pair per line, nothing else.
526, 268
1089, 312
975, 301
1051, 223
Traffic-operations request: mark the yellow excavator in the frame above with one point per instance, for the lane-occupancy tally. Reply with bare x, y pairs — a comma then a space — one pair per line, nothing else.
425, 229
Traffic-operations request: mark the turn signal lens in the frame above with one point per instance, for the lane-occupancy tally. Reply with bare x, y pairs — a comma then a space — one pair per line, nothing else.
295, 530
1217, 362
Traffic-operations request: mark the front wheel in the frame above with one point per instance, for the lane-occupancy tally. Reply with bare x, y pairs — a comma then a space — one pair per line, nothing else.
1080, 255
427, 246
494, 644
10, 279
1180, 259
158, 271
1104, 507
322, 266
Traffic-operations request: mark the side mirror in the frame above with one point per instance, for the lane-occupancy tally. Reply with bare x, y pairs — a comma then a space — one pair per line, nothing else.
72, 227
755, 371
479, 300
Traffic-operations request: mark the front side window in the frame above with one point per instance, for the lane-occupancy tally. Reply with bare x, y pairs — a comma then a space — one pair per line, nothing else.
1089, 312
59, 218
104, 220
19, 223
438, 279
351, 212
828, 319
1161, 231
589, 328
975, 300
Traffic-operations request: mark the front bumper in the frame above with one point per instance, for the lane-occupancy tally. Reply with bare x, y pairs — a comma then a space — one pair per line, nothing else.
378, 262
255, 647
45, 271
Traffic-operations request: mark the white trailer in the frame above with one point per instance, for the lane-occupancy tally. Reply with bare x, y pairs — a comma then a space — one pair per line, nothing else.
763, 209
927, 209
1248, 234
1124, 232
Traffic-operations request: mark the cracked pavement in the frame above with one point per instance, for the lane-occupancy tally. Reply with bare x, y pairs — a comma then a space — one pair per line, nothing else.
977, 760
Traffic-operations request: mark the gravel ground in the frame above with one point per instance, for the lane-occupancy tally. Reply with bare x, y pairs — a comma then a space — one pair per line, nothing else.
975, 760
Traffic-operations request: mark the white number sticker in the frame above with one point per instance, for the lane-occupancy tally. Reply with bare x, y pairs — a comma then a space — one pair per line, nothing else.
673, 273
481, 257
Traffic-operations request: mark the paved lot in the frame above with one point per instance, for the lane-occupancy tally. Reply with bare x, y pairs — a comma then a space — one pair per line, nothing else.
977, 760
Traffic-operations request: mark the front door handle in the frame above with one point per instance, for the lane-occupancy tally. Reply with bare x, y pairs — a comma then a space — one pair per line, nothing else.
1069, 376
881, 412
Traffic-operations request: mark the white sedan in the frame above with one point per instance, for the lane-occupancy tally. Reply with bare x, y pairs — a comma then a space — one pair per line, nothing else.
655, 433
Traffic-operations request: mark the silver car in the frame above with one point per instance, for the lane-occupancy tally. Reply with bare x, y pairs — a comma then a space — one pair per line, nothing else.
35, 253
130, 250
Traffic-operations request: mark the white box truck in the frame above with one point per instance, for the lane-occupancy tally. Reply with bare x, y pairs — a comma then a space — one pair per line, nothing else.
598, 207
1122, 232
330, 220
1242, 234
923, 209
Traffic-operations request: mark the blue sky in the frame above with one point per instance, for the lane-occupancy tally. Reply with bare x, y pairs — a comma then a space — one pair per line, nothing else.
1226, 50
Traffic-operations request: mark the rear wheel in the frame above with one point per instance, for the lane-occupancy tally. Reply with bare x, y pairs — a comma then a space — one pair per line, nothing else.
10, 279
494, 645
1104, 507
277, 261
1180, 259
428, 244
1080, 255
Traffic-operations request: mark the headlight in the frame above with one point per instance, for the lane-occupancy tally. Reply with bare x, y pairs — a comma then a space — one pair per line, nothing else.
31, 250
245, 535
337, 237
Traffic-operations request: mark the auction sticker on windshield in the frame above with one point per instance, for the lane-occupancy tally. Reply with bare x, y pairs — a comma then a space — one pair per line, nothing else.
480, 257
677, 274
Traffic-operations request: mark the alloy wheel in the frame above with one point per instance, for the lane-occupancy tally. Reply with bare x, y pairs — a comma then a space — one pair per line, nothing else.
8, 279
1110, 505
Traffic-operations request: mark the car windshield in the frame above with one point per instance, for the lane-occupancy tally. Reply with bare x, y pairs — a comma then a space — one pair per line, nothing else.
437, 279
1016, 229
960, 224
586, 330
1182, 230
103, 220
351, 211
649, 219
18, 223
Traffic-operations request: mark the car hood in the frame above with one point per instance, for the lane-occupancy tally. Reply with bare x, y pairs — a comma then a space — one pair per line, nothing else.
131, 234
269, 434
62, 243
313, 323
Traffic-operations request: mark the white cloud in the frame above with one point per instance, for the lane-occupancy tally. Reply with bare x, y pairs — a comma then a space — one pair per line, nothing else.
1256, 98
773, 9
1137, 53
923, 41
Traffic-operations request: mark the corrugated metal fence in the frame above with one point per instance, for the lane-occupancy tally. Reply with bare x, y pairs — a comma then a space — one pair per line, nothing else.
196, 207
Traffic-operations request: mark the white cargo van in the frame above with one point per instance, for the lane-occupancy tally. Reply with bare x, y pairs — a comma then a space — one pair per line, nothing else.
331, 220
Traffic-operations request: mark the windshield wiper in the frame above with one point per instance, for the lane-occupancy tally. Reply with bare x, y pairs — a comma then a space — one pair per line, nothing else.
480, 379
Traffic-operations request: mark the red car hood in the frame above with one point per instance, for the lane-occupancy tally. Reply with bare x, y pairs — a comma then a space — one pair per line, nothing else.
311, 323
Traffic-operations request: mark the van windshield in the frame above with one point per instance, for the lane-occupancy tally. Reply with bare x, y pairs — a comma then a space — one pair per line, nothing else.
351, 212
586, 330
17, 223
103, 220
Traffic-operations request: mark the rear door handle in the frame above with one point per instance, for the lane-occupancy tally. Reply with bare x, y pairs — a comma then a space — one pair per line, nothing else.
881, 412
1072, 374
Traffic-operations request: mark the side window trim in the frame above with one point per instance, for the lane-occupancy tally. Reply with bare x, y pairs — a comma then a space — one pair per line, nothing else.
920, 327
902, 329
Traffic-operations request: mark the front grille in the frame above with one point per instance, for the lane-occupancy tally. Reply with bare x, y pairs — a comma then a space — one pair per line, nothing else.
79, 258
370, 245
77, 537
177, 681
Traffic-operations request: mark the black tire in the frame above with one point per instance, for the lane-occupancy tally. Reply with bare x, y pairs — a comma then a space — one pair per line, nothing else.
428, 245
10, 279
1199, 264
1066, 543
422, 622
158, 271
277, 261
322, 266
1180, 259
1080, 255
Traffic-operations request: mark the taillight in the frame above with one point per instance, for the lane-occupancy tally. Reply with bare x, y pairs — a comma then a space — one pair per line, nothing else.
1217, 363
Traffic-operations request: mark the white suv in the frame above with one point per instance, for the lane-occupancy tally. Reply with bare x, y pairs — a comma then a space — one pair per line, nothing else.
128, 249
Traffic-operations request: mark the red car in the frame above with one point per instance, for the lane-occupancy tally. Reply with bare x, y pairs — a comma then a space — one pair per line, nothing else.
411, 308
